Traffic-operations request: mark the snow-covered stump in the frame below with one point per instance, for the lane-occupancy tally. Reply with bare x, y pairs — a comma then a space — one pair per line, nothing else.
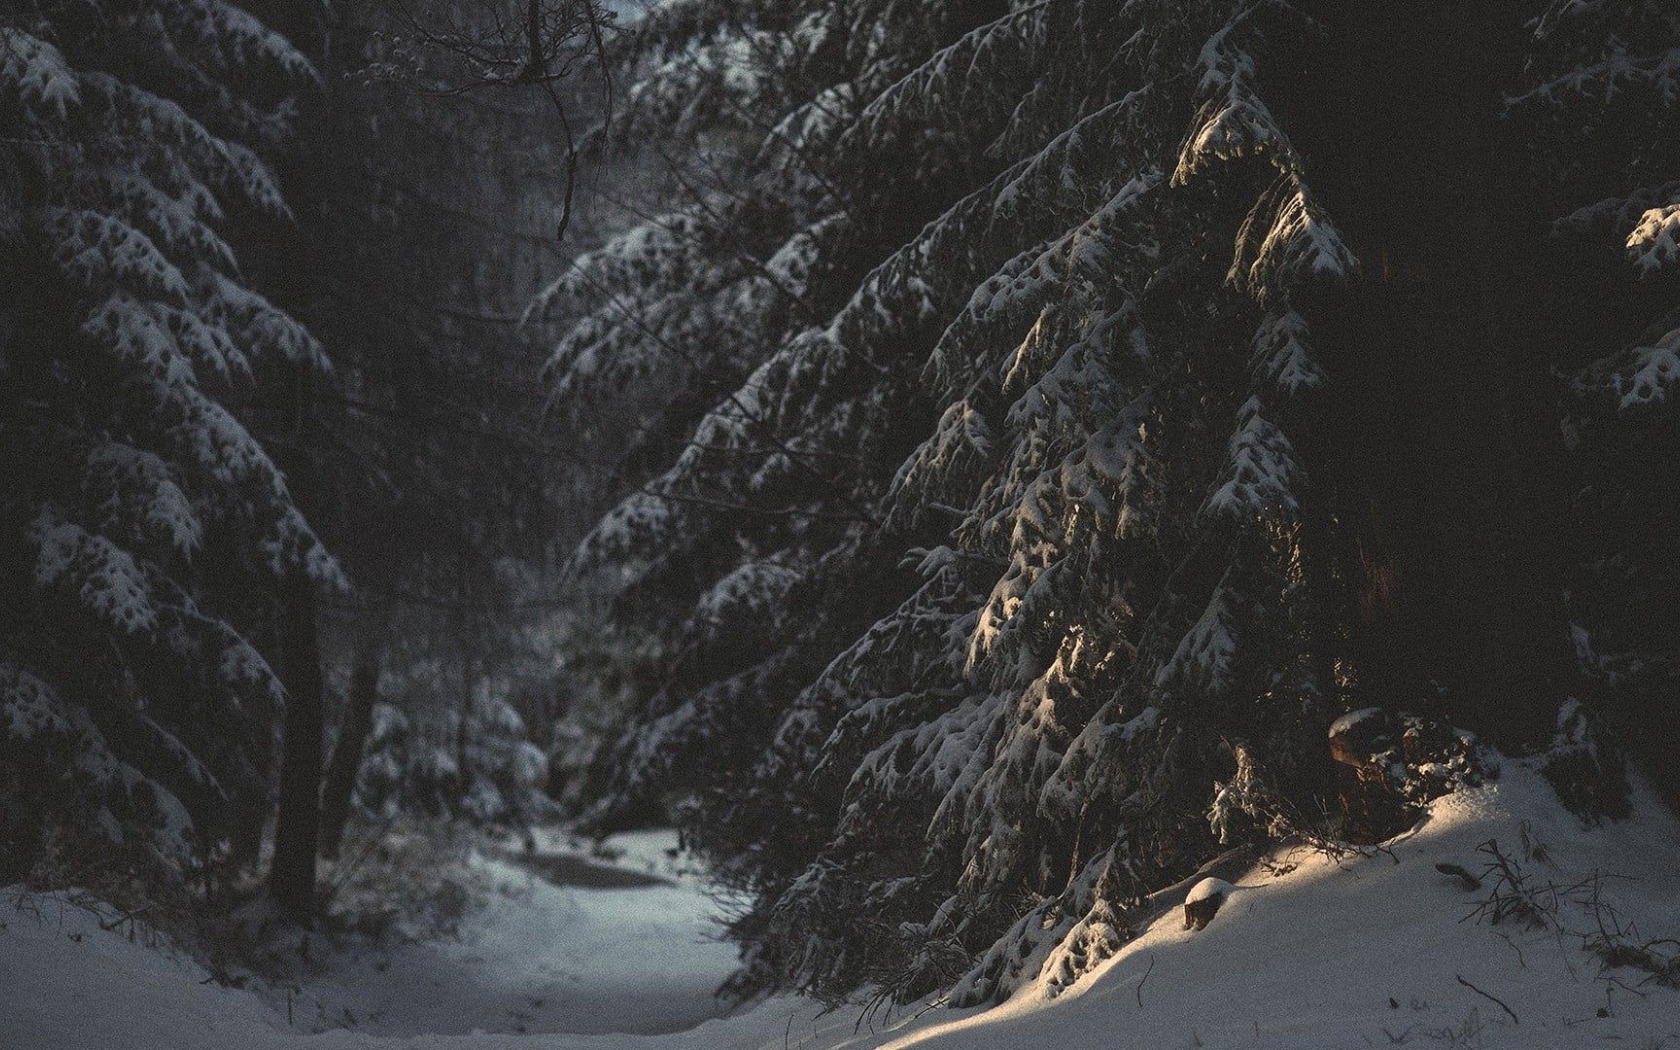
1393, 764
1204, 902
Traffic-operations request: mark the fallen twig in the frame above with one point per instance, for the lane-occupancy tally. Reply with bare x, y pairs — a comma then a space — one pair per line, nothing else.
1490, 998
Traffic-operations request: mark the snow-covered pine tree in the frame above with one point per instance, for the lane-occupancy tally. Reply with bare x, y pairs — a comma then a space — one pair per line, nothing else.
1087, 454
1092, 176
413, 768
1125, 507
762, 238
144, 529
1602, 100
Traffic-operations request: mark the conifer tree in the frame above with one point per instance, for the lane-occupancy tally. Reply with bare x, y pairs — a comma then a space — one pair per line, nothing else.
1601, 100
145, 530
1060, 515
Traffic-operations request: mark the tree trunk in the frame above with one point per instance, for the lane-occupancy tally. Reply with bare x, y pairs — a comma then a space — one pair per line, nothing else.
463, 727
469, 679
1441, 444
346, 762
291, 876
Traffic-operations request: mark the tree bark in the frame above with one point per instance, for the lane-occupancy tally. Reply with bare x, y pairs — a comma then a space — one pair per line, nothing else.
469, 681
346, 762
463, 726
291, 876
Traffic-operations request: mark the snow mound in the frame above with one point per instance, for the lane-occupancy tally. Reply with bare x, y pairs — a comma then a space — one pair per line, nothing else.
1208, 889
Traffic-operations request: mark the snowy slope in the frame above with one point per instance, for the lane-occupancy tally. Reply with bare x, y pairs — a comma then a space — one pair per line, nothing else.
1368, 951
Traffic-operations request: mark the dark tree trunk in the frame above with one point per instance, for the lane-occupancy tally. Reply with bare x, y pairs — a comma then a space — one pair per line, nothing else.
346, 762
291, 876
463, 727
1441, 443
469, 678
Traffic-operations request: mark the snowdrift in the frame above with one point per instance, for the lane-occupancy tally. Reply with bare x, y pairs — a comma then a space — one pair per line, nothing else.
1308, 950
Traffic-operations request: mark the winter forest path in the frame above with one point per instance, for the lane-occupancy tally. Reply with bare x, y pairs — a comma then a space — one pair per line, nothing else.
555, 943
559, 941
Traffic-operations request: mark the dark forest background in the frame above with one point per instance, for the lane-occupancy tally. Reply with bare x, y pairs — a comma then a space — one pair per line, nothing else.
968, 463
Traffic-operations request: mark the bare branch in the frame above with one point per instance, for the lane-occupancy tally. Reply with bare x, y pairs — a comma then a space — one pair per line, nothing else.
1489, 998
488, 47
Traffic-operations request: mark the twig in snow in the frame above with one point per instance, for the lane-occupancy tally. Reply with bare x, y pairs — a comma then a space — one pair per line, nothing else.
1614, 983
1514, 947
1490, 998
1146, 974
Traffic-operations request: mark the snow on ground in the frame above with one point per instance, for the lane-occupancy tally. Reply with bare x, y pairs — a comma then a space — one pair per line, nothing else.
1372, 952
623, 942
1369, 951
562, 939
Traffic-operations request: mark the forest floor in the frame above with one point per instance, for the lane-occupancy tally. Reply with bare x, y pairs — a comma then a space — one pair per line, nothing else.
557, 950
562, 938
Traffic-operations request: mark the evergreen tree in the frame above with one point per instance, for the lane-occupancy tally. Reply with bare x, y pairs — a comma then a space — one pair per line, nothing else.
145, 530
759, 244
1157, 382
414, 768
1601, 98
